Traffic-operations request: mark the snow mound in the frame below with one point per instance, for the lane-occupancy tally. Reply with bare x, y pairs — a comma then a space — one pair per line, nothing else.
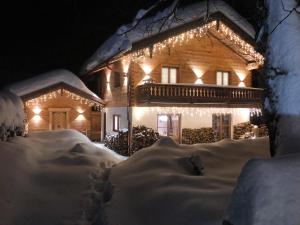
47, 79
267, 193
127, 35
174, 184
11, 114
45, 178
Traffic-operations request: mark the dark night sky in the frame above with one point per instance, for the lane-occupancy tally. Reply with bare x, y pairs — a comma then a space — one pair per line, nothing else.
38, 36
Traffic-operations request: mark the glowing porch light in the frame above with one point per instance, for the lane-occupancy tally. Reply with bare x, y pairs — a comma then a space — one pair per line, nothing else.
242, 84
108, 90
36, 118
199, 81
125, 64
80, 117
147, 68
242, 76
37, 110
80, 110
198, 72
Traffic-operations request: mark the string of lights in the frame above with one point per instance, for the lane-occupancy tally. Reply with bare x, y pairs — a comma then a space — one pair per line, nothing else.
223, 30
61, 92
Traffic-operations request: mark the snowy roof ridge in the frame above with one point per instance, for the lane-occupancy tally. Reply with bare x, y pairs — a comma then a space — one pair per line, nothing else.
49, 79
124, 38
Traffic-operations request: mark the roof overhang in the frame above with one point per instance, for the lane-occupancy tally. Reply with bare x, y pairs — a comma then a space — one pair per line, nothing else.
221, 20
61, 86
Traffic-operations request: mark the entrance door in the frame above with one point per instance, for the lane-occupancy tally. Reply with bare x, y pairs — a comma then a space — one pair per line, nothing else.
59, 120
169, 125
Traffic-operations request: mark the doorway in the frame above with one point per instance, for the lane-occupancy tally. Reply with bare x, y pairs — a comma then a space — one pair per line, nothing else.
59, 118
169, 125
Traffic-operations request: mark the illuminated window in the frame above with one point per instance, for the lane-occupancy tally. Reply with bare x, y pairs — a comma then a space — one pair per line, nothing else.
222, 125
169, 125
222, 78
116, 122
169, 75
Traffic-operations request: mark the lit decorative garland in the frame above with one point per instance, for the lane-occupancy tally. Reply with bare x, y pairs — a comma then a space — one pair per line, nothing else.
140, 112
185, 37
244, 47
61, 92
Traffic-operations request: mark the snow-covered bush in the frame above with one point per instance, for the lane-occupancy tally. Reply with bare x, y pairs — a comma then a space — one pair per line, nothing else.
142, 137
11, 115
196, 136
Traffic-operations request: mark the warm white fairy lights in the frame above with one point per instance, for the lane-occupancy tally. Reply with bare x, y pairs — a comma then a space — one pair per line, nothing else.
140, 112
243, 46
173, 41
60, 92
223, 30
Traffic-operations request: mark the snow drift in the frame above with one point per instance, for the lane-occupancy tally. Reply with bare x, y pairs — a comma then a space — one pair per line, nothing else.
164, 184
267, 193
46, 178
11, 115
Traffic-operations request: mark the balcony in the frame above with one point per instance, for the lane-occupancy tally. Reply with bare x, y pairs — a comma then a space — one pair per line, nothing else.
153, 93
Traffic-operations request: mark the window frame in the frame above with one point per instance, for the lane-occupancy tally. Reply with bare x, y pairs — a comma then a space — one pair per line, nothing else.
170, 129
169, 73
219, 125
118, 118
222, 77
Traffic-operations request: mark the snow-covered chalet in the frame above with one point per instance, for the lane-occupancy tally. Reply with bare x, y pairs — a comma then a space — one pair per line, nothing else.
60, 100
192, 70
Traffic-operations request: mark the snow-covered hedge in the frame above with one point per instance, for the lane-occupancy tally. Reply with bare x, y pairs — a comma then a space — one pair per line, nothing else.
11, 115
142, 137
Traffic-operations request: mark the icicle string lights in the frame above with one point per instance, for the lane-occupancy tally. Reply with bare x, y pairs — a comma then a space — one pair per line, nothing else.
61, 92
185, 37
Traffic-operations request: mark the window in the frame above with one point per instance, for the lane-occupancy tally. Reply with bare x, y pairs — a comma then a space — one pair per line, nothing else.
116, 122
169, 75
222, 125
117, 80
169, 125
222, 78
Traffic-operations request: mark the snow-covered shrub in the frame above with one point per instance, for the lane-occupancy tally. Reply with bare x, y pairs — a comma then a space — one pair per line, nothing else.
142, 137
195, 136
11, 115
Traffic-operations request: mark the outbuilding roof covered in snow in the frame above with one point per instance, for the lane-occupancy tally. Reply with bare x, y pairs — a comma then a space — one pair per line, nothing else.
129, 37
55, 79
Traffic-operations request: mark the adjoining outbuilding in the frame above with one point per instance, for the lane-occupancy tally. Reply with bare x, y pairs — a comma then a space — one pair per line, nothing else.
60, 100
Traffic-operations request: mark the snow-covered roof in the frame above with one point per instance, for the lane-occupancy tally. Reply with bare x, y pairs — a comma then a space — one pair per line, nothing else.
124, 38
48, 79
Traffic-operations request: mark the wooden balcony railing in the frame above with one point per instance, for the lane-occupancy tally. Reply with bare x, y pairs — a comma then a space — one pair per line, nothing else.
197, 94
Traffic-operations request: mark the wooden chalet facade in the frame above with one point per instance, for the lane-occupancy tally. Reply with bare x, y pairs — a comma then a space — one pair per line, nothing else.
195, 75
60, 105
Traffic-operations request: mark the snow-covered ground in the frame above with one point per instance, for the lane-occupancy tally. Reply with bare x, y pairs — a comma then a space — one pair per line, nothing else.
113, 153
49, 178
60, 177
160, 185
267, 193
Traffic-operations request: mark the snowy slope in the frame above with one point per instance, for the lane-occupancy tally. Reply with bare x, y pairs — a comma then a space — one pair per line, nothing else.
158, 185
11, 113
126, 35
267, 193
45, 179
48, 79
